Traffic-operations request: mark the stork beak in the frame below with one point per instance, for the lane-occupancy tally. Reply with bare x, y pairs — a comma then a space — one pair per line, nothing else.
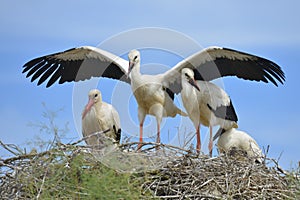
194, 84
88, 107
130, 67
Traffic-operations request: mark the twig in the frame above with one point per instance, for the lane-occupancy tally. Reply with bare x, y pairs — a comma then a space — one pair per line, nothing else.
94, 134
5, 146
154, 144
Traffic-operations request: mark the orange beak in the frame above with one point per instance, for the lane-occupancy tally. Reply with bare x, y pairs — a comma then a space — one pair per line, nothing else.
87, 108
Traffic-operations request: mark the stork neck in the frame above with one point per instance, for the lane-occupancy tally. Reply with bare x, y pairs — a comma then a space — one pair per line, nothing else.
135, 72
98, 103
187, 88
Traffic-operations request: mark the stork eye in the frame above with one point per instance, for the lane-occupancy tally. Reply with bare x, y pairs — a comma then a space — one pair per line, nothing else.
96, 95
186, 75
135, 57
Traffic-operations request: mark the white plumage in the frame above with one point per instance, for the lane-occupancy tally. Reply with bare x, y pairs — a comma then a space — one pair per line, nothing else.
234, 138
206, 104
155, 93
152, 96
99, 116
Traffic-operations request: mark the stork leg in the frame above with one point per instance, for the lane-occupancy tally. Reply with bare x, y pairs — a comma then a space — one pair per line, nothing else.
158, 136
198, 147
210, 144
141, 137
158, 111
141, 116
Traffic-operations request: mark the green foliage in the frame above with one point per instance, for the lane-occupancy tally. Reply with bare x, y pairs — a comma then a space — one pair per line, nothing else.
293, 178
81, 177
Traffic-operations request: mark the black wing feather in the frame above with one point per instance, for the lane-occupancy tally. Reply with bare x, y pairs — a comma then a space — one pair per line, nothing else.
254, 68
48, 73
70, 70
170, 93
39, 72
29, 65
117, 134
225, 112
34, 69
219, 133
54, 77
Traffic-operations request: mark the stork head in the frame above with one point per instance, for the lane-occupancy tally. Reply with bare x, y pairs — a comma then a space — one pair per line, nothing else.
134, 59
94, 97
187, 74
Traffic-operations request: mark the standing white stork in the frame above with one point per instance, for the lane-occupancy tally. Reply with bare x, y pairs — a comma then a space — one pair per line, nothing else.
100, 116
206, 104
233, 138
214, 62
152, 96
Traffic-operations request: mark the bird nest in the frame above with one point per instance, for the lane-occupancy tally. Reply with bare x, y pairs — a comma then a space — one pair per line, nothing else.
170, 173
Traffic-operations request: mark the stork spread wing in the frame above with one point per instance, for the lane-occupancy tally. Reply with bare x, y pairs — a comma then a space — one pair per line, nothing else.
216, 62
76, 64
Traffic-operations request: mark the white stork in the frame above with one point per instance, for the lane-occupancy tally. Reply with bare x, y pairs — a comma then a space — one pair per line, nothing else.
233, 138
214, 62
206, 104
100, 116
152, 96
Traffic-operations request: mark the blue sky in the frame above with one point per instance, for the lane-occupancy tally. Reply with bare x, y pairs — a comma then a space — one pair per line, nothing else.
269, 29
